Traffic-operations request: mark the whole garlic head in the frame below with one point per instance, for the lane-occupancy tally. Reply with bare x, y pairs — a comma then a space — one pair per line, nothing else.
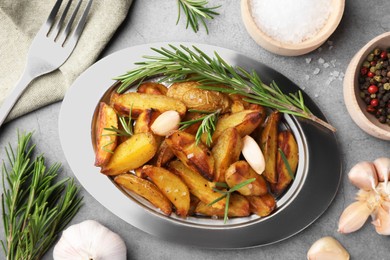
89, 240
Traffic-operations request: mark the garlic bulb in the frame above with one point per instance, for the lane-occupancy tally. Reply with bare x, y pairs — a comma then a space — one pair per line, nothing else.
354, 217
327, 248
382, 166
89, 240
363, 175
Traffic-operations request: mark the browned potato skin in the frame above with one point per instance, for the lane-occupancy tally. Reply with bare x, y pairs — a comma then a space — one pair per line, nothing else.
107, 118
287, 143
199, 99
197, 185
239, 172
164, 155
145, 189
226, 151
194, 201
195, 156
145, 121
131, 154
262, 205
152, 88
269, 145
238, 207
139, 173
139, 102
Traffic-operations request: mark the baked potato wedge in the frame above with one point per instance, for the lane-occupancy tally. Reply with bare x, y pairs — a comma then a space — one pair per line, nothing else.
262, 205
226, 151
152, 88
139, 102
239, 172
195, 156
238, 207
145, 189
171, 186
106, 141
145, 120
269, 145
287, 143
164, 155
198, 186
131, 154
199, 99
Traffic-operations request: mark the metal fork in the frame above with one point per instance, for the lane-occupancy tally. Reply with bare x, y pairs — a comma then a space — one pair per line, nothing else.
50, 48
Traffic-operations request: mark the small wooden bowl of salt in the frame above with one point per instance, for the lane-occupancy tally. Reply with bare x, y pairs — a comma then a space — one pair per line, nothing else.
291, 27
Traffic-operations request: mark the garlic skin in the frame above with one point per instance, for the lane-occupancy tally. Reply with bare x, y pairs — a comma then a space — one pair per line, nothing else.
382, 221
354, 217
166, 123
327, 248
382, 166
253, 154
363, 175
89, 240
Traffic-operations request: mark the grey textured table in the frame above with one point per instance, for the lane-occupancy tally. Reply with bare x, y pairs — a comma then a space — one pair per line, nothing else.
154, 21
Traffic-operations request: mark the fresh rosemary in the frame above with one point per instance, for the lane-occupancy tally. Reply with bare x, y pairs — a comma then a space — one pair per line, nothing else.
195, 11
226, 194
35, 207
176, 63
286, 163
127, 126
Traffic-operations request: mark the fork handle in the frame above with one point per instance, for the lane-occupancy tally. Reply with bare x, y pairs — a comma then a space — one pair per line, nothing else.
18, 90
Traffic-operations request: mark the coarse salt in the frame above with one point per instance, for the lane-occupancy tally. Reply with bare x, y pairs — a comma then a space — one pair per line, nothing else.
292, 21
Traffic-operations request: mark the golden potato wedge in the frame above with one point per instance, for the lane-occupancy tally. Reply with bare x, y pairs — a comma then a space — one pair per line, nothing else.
152, 88
139, 173
139, 102
245, 122
199, 99
145, 120
237, 106
287, 143
197, 185
145, 189
164, 155
106, 141
171, 186
262, 205
131, 154
269, 145
226, 151
238, 207
192, 129
239, 172
195, 156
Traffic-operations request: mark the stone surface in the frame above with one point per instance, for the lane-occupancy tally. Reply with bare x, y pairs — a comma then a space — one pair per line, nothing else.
154, 21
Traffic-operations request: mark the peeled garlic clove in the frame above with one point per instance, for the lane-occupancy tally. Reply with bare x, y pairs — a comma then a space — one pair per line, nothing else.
89, 240
253, 154
382, 221
363, 175
354, 217
166, 123
382, 166
327, 248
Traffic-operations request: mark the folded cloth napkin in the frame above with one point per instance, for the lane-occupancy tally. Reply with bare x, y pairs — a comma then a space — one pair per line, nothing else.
20, 21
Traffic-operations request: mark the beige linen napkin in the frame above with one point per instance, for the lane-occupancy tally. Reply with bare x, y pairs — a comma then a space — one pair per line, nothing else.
20, 20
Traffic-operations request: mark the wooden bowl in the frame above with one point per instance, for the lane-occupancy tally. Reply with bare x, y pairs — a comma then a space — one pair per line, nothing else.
355, 105
290, 49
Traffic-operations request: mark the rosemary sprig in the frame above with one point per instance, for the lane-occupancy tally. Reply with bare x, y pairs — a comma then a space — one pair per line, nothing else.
195, 11
286, 163
176, 63
207, 126
127, 125
226, 194
35, 207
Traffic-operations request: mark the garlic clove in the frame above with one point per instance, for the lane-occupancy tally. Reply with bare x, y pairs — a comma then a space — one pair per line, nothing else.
253, 154
382, 221
89, 240
382, 166
354, 217
363, 175
327, 248
166, 123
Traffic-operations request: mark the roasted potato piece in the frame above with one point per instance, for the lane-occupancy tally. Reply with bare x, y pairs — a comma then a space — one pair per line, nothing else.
197, 185
239, 172
237, 106
139, 102
145, 120
238, 207
171, 186
199, 99
145, 189
192, 129
139, 173
195, 156
262, 205
269, 145
152, 88
131, 154
106, 141
287, 143
226, 151
194, 201
164, 155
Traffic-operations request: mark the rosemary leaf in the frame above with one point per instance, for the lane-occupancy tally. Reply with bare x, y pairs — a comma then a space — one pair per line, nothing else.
286, 163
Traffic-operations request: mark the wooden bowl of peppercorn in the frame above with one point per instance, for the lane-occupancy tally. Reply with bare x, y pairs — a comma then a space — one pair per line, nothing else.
367, 87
